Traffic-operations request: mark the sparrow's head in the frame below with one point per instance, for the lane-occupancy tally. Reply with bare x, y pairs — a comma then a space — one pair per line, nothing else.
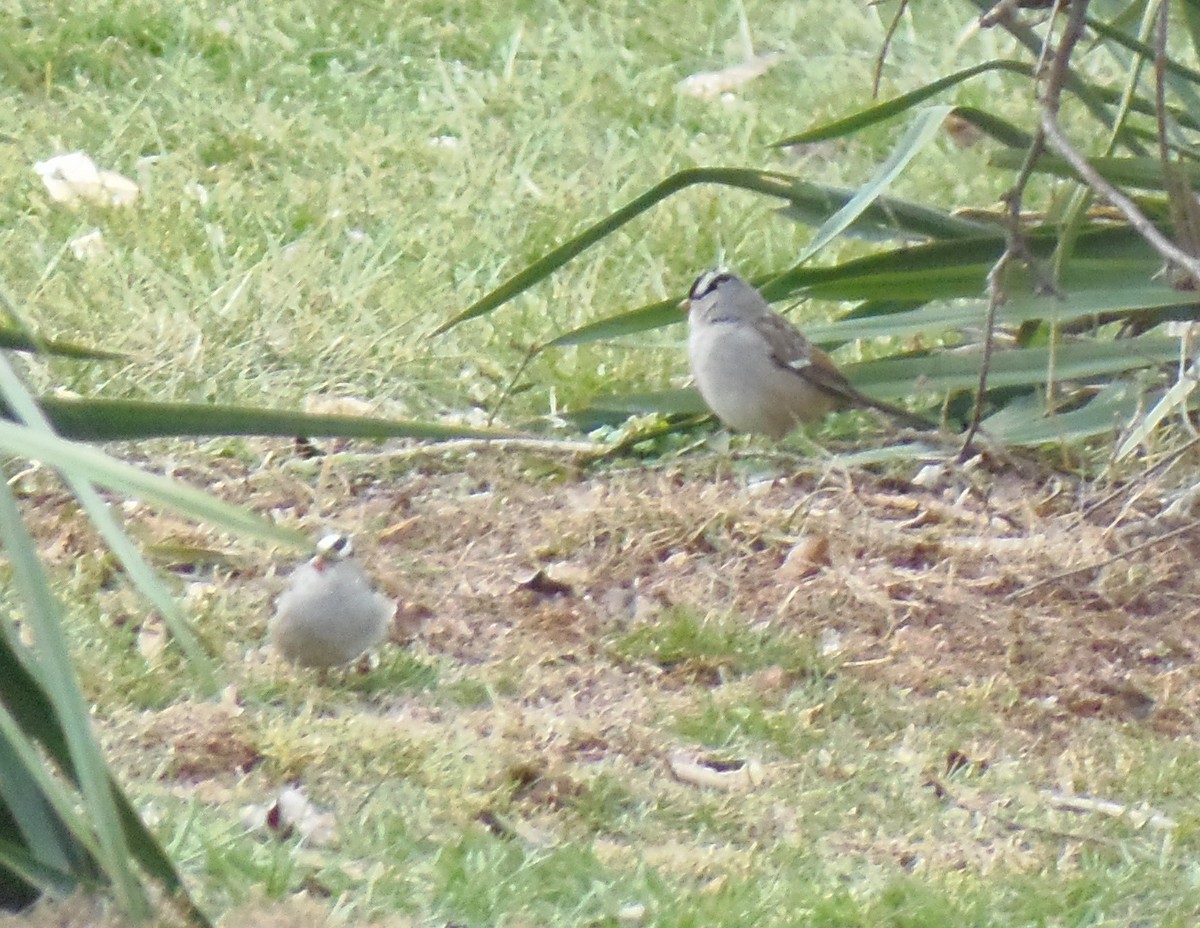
333, 547
720, 295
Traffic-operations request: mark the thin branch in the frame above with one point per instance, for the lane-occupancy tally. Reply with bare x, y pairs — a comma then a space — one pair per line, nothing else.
1016, 248
1060, 69
1134, 216
883, 49
1119, 556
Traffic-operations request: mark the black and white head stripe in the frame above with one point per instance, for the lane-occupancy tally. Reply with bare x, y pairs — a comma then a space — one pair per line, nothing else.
707, 282
334, 546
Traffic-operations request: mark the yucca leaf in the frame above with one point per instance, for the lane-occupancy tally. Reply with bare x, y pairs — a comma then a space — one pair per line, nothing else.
145, 579
939, 317
1127, 41
53, 667
1112, 258
613, 409
765, 182
923, 129
1146, 173
948, 372
1191, 19
44, 811
936, 374
1025, 422
23, 878
1087, 93
886, 218
645, 318
894, 107
124, 478
19, 340
25, 698
96, 419
1003, 131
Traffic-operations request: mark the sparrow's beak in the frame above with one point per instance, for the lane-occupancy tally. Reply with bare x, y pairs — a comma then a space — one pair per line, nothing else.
684, 305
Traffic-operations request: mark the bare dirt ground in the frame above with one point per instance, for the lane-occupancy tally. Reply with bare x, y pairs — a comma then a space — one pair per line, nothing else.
502, 557
1066, 601
998, 577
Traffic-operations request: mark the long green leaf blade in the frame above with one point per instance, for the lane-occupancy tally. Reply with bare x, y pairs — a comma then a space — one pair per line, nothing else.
18, 340
886, 218
124, 478
96, 419
765, 182
923, 129
900, 104
52, 653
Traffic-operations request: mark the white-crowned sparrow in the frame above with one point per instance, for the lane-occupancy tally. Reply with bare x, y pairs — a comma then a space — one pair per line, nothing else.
755, 370
329, 615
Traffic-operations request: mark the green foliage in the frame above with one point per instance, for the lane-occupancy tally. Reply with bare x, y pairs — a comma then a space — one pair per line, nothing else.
1101, 269
683, 639
327, 184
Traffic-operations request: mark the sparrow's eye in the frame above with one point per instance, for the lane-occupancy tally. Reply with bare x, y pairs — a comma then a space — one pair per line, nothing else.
707, 282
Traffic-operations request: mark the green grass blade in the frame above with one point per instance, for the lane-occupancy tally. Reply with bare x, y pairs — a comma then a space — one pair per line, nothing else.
19, 340
100, 468
923, 130
901, 104
126, 420
766, 182
886, 218
69, 709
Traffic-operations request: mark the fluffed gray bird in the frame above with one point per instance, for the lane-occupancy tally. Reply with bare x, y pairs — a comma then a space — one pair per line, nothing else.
756, 371
329, 614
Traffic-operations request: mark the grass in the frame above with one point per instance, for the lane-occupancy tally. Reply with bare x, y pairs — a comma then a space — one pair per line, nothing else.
323, 188
323, 185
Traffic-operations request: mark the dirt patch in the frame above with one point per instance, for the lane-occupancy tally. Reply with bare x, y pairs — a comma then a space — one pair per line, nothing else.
502, 560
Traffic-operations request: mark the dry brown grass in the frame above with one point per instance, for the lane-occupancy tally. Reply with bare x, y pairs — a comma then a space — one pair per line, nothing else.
522, 581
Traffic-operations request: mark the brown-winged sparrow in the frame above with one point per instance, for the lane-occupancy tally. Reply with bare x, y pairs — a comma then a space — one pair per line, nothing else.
756, 371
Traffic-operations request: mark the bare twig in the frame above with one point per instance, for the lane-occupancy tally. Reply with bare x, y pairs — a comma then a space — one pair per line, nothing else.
1060, 69
883, 49
1016, 248
1157, 470
1120, 555
1134, 216
512, 383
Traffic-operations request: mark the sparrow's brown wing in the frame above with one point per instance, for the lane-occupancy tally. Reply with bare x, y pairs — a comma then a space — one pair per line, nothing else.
790, 349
